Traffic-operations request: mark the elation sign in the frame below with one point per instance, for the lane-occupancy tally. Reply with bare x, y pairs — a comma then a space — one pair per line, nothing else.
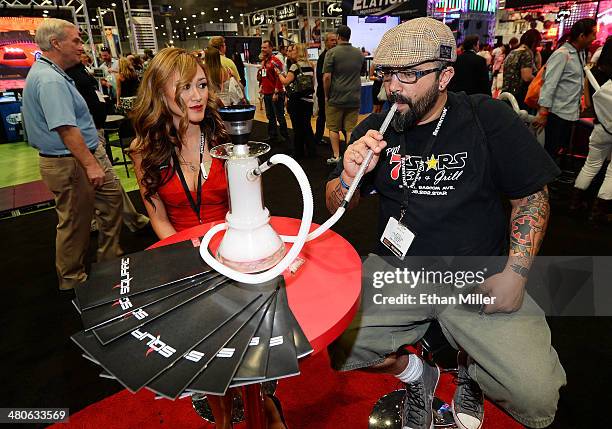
405, 8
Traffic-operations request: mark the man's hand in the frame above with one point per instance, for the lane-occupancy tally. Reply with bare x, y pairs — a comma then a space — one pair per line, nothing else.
539, 122
95, 174
356, 153
275, 96
508, 289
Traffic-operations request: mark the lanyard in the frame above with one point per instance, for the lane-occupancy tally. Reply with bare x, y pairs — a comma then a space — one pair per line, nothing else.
195, 205
56, 68
406, 187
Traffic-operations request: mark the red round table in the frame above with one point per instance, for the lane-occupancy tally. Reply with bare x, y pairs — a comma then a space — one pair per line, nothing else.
323, 294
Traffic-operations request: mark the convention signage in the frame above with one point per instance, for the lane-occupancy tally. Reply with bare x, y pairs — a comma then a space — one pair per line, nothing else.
332, 9
288, 11
515, 4
404, 8
258, 18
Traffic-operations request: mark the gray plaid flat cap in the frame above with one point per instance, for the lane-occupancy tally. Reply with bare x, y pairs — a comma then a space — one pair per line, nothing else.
415, 42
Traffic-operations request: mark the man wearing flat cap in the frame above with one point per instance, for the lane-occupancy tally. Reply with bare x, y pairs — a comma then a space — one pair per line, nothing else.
439, 171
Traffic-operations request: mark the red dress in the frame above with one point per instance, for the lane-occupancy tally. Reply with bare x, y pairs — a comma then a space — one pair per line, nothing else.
214, 205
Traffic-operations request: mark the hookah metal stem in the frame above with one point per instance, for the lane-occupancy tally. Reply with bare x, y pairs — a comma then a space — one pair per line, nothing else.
368, 158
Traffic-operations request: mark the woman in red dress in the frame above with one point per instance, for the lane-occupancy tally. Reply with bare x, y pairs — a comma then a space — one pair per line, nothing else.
176, 124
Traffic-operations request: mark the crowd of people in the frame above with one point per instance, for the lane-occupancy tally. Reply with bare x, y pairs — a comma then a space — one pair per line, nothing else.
445, 112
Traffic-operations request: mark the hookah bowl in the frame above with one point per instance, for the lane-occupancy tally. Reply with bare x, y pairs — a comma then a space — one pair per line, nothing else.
250, 244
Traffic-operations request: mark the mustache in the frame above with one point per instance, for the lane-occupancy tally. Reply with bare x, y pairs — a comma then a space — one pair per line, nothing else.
396, 97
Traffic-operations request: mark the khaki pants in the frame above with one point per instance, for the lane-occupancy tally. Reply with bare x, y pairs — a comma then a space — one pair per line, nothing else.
75, 202
133, 219
511, 354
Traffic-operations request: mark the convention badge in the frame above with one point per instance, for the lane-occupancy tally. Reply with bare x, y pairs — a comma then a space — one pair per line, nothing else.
263, 72
397, 238
100, 96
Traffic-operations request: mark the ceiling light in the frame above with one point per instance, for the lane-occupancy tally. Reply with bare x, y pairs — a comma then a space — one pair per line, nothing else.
226, 10
232, 17
184, 19
157, 28
45, 11
241, 14
93, 19
180, 8
163, 34
215, 9
202, 13
177, 21
211, 22
113, 4
220, 19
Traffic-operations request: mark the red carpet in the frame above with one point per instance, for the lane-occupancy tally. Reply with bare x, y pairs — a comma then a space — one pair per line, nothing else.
318, 399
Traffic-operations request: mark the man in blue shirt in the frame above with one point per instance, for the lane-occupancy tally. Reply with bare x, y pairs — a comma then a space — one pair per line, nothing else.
563, 87
60, 126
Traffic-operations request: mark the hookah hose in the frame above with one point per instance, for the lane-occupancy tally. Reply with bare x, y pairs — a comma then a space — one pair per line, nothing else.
303, 236
347, 198
298, 240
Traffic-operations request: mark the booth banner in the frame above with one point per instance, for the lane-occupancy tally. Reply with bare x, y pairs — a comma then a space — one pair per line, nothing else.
332, 9
258, 18
515, 4
286, 12
405, 8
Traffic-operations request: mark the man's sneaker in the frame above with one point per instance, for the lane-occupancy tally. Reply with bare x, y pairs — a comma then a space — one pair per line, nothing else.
333, 160
416, 413
468, 402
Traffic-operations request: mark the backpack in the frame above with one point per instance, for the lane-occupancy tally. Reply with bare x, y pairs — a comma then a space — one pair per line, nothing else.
602, 100
302, 85
533, 91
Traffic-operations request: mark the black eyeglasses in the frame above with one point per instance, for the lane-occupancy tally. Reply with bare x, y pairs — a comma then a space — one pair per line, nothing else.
404, 75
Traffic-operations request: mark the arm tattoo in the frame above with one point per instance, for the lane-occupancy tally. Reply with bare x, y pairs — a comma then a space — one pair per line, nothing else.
335, 196
519, 269
528, 224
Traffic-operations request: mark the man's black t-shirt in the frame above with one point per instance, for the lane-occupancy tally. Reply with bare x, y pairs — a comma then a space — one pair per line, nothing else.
455, 207
87, 85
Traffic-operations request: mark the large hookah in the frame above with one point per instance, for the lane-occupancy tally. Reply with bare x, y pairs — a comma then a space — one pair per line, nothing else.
251, 251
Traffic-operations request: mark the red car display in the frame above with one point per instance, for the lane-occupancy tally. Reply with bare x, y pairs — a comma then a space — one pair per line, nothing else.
17, 58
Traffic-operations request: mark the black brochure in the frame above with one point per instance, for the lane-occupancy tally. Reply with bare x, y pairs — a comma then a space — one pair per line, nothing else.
140, 272
140, 317
302, 345
121, 308
255, 361
138, 358
217, 376
282, 359
172, 382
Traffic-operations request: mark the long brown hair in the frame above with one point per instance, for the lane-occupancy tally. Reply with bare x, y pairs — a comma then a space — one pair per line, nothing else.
126, 69
212, 62
156, 135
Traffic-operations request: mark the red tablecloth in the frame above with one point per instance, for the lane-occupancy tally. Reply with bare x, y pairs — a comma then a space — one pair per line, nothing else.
324, 293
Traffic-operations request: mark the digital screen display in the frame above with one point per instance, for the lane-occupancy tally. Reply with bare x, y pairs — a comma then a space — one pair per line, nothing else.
366, 31
18, 51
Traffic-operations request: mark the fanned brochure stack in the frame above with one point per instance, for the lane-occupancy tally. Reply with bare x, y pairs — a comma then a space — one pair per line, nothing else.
164, 320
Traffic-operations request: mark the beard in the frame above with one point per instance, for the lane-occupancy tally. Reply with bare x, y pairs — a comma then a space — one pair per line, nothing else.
417, 109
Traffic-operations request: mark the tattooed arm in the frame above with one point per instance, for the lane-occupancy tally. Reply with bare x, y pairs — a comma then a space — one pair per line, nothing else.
335, 193
528, 223
527, 228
